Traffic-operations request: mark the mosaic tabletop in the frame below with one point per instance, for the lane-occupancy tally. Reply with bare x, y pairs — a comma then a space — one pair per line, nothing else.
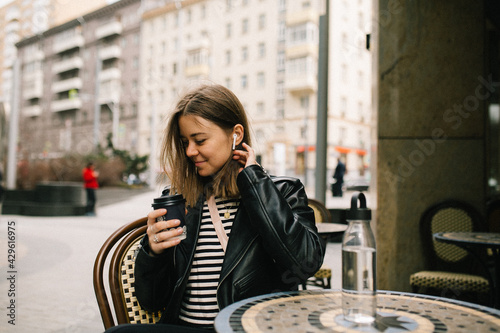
321, 311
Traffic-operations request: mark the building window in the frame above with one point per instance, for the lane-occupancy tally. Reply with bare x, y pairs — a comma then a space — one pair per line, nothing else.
244, 26
343, 73
262, 21
228, 83
244, 53
343, 106
281, 31
280, 90
228, 57
244, 81
304, 102
281, 61
303, 33
262, 50
261, 79
228, 30
260, 108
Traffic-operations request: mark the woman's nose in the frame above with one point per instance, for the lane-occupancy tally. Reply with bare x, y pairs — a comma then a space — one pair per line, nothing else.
191, 150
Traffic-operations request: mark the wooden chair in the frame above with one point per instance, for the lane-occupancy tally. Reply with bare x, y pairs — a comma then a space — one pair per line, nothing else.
323, 277
451, 269
124, 243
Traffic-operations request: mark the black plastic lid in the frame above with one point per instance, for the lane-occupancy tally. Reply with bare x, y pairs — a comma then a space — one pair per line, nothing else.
361, 213
169, 200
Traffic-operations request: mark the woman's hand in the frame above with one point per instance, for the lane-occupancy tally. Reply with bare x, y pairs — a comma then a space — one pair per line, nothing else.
159, 237
245, 158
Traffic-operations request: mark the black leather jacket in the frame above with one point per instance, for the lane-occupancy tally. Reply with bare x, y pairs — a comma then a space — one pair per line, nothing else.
273, 246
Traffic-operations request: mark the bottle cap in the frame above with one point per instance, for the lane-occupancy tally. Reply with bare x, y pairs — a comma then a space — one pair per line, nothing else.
361, 213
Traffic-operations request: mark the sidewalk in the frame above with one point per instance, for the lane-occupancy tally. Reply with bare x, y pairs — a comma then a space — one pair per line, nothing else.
54, 262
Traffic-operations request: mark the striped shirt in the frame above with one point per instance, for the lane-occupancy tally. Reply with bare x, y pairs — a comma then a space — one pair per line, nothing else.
199, 305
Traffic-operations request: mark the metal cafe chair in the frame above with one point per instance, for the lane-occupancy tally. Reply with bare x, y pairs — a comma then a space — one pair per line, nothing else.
451, 269
323, 277
123, 245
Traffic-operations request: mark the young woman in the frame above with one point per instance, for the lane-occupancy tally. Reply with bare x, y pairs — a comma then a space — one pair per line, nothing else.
270, 243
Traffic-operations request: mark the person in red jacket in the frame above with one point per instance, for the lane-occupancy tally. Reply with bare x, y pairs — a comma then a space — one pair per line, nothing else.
90, 184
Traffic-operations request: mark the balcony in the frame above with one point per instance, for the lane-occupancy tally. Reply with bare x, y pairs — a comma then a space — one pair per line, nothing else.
32, 111
197, 70
67, 65
302, 17
305, 83
66, 85
110, 52
68, 44
38, 55
110, 74
107, 30
33, 86
302, 50
66, 104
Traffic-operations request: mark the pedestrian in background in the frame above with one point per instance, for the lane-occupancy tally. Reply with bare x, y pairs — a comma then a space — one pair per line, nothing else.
90, 183
338, 179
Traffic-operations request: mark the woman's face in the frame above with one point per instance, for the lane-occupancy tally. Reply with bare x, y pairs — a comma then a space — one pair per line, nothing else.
205, 143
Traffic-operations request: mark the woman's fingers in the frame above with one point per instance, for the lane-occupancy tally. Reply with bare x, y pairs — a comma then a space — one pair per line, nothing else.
245, 157
161, 233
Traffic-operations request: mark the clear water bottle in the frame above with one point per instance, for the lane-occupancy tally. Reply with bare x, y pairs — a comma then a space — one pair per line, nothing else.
359, 300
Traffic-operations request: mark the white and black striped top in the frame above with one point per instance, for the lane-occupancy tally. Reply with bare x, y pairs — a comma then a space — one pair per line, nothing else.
199, 304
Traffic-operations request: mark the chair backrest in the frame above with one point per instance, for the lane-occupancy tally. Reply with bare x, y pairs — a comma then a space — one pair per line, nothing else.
124, 243
448, 216
321, 213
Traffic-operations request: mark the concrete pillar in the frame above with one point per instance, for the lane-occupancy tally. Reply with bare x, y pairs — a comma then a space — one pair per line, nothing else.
432, 86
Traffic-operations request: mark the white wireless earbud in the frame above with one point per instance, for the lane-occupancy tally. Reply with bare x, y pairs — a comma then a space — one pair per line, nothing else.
234, 141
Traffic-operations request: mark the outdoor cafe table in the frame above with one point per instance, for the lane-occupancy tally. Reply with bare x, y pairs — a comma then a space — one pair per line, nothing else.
474, 241
326, 229
321, 311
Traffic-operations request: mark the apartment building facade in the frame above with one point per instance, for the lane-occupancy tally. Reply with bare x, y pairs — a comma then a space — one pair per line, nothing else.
266, 51
23, 18
78, 84
150, 52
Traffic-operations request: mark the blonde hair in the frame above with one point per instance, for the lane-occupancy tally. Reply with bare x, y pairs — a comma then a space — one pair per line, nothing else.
220, 106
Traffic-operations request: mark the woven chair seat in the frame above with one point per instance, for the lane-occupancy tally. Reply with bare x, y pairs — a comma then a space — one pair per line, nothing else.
136, 314
450, 280
323, 273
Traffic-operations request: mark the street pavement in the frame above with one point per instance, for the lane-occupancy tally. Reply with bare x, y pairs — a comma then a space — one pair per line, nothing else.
50, 282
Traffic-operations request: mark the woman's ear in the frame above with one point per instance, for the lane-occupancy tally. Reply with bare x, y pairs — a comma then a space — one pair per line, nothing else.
238, 134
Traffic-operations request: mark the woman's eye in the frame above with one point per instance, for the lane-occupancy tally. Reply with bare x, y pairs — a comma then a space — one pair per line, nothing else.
199, 142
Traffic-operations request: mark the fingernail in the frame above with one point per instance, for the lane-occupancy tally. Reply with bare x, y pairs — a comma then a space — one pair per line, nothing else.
180, 230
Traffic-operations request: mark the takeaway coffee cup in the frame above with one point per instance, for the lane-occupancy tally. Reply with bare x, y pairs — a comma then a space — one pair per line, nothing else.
176, 209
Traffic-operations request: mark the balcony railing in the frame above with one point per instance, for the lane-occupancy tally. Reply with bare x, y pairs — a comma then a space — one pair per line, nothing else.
110, 74
110, 52
68, 44
301, 17
32, 111
66, 85
110, 29
197, 70
33, 86
66, 104
305, 83
67, 65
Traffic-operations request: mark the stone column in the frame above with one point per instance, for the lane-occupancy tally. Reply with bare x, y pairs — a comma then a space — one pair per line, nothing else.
432, 86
